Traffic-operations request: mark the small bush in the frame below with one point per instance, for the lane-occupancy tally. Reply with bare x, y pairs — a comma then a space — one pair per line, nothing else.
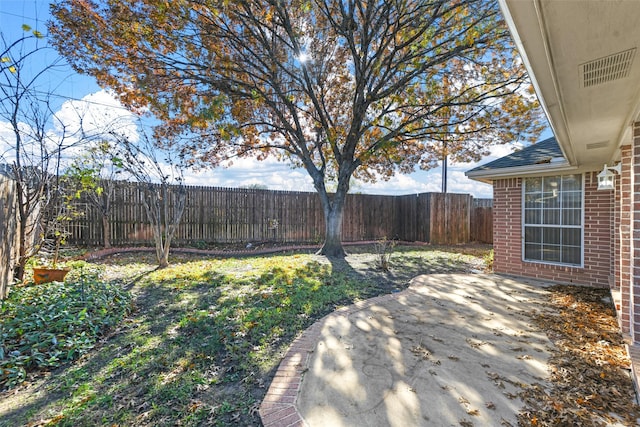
47, 325
488, 261
384, 249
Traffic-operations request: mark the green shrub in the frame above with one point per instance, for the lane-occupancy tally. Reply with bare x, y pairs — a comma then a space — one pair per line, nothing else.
488, 261
46, 325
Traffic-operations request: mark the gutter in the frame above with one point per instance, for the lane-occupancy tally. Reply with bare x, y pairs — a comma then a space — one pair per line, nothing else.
489, 175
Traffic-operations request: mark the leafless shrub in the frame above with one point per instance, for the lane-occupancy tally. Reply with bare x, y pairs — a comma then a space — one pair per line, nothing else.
384, 250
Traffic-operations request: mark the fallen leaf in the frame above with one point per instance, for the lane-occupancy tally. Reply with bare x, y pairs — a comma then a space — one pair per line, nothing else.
588, 382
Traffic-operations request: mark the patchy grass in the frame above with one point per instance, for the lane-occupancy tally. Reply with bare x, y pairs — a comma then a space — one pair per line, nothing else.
207, 334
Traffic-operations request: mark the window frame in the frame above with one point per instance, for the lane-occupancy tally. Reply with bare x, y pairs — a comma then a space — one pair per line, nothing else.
560, 227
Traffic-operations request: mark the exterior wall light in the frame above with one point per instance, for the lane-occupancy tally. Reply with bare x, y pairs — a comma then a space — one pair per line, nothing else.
606, 178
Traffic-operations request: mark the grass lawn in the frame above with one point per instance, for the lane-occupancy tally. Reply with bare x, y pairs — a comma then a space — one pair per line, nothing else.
201, 339
205, 335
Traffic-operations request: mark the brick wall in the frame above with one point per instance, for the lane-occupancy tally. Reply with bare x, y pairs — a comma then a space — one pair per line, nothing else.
623, 239
598, 243
507, 224
635, 234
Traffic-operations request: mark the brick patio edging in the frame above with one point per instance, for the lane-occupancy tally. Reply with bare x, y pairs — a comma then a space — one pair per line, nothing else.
279, 406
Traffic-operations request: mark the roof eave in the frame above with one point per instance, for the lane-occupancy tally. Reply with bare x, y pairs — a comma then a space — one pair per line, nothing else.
550, 100
490, 175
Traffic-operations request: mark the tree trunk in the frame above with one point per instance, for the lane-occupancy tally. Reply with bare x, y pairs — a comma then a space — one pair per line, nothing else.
19, 269
333, 208
332, 246
106, 231
158, 236
23, 209
163, 259
162, 254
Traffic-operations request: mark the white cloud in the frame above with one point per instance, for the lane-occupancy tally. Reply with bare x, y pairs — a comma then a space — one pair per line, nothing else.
96, 114
7, 142
244, 172
417, 182
276, 175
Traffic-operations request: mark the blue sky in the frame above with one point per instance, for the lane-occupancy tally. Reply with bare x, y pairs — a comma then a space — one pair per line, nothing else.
272, 174
35, 13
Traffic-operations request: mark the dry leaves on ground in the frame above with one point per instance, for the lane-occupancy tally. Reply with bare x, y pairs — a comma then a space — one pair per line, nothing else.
590, 383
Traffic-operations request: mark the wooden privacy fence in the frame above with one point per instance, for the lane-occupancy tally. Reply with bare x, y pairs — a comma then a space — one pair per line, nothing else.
8, 233
225, 215
482, 221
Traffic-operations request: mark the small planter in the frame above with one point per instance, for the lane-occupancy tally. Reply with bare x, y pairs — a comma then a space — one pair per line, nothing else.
46, 275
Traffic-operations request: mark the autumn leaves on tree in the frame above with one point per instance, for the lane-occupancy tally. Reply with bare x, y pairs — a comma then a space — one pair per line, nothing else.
343, 88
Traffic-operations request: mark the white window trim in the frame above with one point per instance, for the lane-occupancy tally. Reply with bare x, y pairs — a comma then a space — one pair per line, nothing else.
522, 223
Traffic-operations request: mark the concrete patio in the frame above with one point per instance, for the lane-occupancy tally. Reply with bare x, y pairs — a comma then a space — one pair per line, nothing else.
452, 349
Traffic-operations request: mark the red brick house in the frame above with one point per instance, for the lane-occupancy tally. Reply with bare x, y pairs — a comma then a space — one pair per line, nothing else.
551, 221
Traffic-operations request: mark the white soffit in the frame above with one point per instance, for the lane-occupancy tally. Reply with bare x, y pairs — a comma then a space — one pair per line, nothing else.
583, 58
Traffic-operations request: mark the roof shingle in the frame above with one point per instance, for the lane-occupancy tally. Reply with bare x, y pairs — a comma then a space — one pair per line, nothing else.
541, 152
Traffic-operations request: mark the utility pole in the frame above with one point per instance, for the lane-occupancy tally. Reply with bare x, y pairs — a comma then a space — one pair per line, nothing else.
444, 166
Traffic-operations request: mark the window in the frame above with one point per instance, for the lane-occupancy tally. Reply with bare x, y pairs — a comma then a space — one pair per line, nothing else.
552, 219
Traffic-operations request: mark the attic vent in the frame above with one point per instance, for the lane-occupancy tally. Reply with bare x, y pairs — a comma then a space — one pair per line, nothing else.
607, 69
595, 145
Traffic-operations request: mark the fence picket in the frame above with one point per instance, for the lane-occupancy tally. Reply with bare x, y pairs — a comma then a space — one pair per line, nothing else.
226, 215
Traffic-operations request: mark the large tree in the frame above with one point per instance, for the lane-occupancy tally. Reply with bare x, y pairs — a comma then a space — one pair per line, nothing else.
343, 88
